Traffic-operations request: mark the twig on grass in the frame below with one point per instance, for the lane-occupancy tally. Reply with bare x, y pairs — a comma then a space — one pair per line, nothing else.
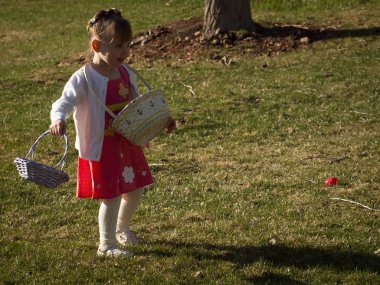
312, 156
356, 112
189, 87
361, 113
226, 61
357, 203
338, 159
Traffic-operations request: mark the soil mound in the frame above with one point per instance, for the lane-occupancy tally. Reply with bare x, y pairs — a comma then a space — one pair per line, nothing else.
184, 41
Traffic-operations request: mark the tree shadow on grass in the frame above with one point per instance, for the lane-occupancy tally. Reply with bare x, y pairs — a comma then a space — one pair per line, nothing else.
354, 33
273, 278
278, 255
315, 34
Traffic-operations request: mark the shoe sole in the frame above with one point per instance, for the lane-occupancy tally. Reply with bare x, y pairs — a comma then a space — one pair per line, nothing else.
105, 254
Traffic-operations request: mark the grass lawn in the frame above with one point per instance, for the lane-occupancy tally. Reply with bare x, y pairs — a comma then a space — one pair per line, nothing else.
239, 196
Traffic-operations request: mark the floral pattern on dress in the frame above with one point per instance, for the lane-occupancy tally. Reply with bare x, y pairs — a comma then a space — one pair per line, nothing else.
123, 90
128, 174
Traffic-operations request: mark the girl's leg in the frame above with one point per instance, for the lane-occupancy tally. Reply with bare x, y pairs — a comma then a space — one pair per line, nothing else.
128, 206
108, 212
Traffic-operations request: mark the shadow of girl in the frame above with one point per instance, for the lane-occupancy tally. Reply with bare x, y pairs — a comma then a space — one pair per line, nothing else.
279, 255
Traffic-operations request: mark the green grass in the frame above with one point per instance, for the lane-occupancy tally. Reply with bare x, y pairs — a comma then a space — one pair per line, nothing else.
239, 196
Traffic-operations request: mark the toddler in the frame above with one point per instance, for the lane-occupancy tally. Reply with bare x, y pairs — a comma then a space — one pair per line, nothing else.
110, 168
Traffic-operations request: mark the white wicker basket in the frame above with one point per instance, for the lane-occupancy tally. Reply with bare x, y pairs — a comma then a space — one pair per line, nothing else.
39, 173
143, 118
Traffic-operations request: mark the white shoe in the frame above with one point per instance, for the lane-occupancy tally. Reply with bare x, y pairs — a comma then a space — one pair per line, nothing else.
126, 237
115, 252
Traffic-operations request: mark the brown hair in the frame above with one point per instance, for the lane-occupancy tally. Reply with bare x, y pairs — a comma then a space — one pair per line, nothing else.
109, 26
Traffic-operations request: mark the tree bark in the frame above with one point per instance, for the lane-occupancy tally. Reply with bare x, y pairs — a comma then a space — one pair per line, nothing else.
227, 15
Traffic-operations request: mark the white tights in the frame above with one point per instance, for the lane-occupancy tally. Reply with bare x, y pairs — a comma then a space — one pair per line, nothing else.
115, 215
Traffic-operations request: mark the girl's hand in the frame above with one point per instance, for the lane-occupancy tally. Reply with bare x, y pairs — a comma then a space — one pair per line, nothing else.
171, 126
58, 128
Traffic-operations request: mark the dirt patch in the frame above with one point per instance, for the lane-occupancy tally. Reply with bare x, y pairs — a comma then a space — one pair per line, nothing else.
183, 40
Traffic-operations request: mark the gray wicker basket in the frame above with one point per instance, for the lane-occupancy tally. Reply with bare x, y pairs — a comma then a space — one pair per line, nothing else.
39, 173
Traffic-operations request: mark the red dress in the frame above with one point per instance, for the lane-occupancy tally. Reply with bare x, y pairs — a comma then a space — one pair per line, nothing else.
122, 166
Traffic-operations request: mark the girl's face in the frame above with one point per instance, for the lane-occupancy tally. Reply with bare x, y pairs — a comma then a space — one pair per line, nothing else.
111, 54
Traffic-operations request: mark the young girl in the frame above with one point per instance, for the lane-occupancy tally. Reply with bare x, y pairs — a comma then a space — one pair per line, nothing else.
110, 168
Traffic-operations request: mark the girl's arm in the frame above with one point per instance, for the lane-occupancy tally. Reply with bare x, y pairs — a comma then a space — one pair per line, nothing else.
65, 105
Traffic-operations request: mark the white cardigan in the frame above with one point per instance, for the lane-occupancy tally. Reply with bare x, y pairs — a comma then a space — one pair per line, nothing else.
88, 113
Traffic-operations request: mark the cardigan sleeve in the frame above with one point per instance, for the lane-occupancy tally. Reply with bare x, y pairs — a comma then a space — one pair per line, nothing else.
71, 94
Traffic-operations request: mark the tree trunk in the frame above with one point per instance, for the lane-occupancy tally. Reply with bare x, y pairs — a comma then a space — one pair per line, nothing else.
227, 15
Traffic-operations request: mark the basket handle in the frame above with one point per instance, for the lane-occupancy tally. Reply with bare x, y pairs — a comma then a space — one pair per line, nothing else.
92, 92
140, 77
62, 160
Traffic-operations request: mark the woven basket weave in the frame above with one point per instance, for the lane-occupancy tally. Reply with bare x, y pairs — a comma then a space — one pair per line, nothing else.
39, 173
143, 118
